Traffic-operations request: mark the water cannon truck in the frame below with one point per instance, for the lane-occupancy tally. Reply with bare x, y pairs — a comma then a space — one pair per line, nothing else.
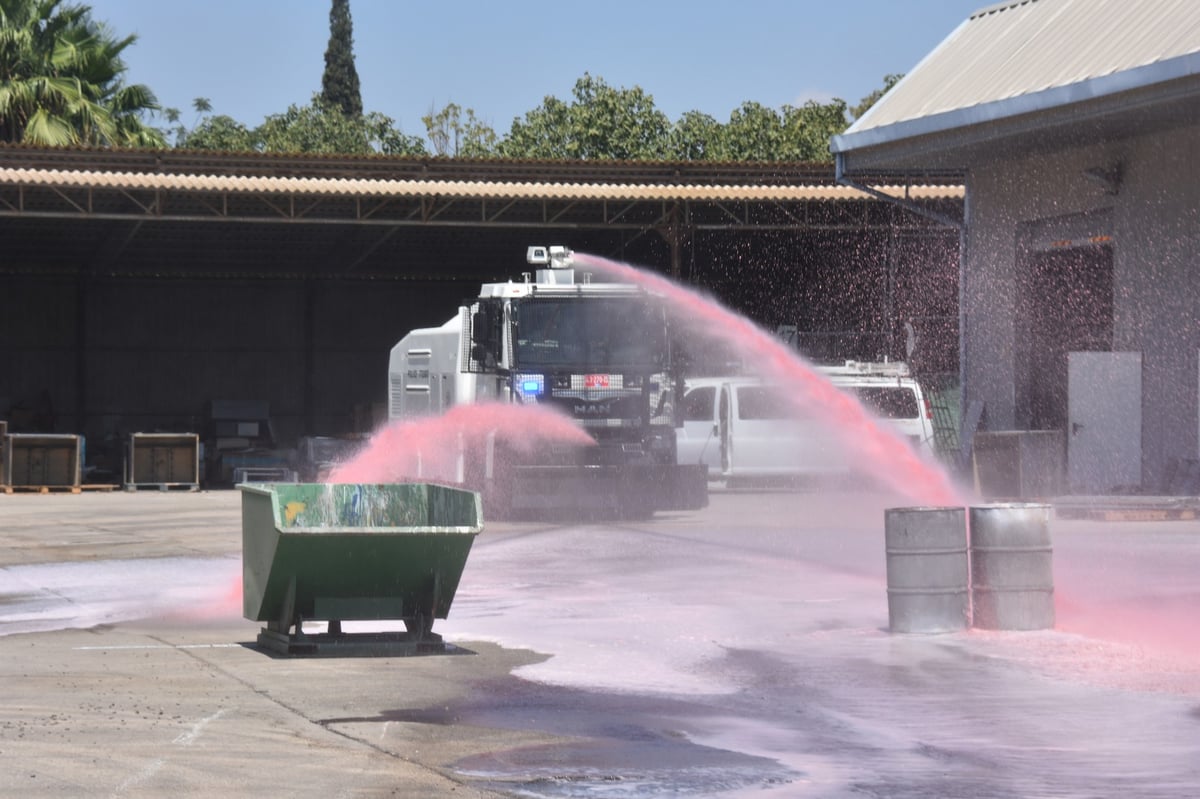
598, 352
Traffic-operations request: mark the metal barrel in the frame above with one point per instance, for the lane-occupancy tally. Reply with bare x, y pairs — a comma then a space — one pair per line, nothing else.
1012, 578
926, 569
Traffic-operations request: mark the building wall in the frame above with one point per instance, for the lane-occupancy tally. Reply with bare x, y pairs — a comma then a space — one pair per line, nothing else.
1154, 220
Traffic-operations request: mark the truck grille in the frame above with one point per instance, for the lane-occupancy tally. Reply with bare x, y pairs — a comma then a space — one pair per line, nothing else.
600, 407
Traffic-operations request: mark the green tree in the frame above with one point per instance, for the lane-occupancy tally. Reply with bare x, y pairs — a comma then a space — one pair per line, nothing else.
221, 132
61, 79
544, 133
754, 133
339, 83
863, 105
600, 123
323, 128
451, 133
808, 129
695, 137
209, 132
758, 133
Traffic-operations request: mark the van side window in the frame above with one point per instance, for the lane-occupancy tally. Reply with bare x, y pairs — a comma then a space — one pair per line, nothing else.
698, 404
890, 402
762, 402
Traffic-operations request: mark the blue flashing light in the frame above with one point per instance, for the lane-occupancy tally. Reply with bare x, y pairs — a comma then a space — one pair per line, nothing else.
531, 385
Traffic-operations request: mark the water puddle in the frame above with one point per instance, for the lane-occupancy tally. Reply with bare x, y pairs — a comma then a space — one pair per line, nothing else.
617, 746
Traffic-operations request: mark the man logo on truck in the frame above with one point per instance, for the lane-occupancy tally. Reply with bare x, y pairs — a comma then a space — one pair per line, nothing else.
593, 409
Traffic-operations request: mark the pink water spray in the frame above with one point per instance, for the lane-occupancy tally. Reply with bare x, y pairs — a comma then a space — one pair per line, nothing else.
429, 448
875, 449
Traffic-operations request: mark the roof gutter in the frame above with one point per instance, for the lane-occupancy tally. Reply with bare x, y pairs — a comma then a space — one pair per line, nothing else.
904, 202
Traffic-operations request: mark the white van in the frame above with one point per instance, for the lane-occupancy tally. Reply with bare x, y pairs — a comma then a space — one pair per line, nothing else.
740, 427
698, 439
891, 393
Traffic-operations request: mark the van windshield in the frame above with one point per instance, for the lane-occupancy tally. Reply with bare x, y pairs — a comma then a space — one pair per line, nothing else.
698, 404
593, 333
890, 402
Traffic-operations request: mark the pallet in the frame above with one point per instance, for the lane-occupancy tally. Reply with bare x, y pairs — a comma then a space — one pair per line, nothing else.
56, 489
394, 644
42, 489
162, 487
263, 474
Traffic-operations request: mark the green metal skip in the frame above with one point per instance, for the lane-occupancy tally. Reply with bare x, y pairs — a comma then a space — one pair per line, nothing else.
339, 552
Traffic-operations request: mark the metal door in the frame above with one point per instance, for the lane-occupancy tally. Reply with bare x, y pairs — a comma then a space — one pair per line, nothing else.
697, 438
1104, 421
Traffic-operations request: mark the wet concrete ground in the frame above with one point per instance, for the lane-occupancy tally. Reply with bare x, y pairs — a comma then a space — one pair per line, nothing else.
739, 651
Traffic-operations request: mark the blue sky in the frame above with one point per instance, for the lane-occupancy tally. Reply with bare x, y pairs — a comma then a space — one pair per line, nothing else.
252, 58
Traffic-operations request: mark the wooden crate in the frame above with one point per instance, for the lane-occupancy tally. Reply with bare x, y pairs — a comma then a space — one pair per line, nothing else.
43, 460
162, 460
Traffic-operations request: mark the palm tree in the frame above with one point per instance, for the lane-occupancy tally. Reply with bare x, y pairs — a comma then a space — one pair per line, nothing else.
60, 79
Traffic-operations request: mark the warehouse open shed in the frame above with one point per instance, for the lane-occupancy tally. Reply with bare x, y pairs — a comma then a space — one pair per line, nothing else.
143, 291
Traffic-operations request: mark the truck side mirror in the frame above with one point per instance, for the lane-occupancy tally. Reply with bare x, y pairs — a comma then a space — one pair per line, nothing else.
485, 326
480, 354
480, 327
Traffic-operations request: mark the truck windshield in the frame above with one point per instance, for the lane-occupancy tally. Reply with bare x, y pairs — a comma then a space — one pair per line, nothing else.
592, 333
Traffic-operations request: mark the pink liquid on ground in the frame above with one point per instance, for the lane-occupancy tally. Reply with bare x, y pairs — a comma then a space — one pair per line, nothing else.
228, 604
875, 449
1160, 623
428, 448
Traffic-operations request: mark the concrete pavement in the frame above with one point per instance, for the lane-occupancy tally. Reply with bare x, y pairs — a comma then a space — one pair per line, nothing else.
178, 702
182, 705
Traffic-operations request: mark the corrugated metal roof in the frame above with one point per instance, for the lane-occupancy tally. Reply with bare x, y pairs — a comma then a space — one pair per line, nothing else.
207, 162
367, 187
1015, 49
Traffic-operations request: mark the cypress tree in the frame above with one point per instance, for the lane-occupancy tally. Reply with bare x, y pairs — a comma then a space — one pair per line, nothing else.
339, 84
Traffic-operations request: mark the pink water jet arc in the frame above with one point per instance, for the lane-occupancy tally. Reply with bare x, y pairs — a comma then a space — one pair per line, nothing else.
875, 449
434, 448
